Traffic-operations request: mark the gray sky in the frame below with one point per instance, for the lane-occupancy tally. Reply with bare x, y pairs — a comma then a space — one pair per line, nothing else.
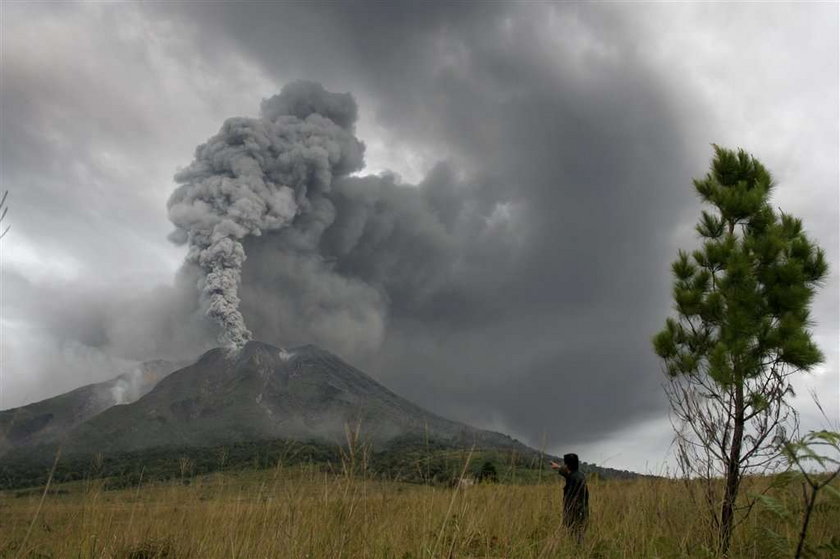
503, 258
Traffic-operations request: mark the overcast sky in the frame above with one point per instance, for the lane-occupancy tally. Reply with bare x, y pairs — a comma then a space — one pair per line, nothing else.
503, 257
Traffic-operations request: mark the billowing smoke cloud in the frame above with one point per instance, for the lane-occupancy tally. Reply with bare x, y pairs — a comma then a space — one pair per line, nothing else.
139, 380
256, 176
475, 275
386, 252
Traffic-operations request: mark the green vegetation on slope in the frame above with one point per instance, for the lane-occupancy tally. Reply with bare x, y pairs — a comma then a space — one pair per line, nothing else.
408, 459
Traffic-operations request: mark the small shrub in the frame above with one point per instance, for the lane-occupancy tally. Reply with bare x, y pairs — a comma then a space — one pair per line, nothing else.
151, 549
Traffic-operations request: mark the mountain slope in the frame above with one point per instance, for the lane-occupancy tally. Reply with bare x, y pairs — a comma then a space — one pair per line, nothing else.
264, 393
49, 420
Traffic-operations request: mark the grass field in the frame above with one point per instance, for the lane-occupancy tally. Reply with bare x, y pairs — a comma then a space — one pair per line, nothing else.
304, 511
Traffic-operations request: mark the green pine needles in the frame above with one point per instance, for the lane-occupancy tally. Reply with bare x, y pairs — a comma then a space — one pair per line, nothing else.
741, 330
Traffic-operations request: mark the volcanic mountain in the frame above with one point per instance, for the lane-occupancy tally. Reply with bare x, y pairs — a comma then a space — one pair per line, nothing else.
263, 392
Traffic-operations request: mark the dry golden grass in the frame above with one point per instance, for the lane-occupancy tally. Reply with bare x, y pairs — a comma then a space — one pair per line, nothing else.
303, 512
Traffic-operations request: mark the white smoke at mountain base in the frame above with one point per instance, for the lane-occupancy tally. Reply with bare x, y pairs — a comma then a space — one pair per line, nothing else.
139, 380
127, 387
258, 175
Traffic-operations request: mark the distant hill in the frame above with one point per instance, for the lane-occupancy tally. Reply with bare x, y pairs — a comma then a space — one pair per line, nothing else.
49, 421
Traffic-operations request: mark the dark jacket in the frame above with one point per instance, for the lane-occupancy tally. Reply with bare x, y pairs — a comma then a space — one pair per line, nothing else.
575, 498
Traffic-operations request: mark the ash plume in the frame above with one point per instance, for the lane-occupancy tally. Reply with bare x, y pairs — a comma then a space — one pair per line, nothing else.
259, 175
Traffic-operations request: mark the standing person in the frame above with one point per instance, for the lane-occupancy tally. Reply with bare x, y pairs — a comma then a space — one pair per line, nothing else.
575, 495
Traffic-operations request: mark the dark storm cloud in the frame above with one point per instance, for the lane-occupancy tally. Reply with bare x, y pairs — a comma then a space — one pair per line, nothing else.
518, 284
59, 137
163, 320
66, 334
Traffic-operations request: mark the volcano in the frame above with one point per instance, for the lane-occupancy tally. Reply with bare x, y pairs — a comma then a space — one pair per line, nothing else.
261, 392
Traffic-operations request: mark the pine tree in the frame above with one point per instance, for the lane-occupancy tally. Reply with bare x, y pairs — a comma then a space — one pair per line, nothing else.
741, 331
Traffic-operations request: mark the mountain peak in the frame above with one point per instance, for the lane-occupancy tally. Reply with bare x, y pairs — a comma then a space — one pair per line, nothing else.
256, 348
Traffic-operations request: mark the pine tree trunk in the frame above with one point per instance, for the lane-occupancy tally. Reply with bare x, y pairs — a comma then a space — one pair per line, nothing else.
733, 474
